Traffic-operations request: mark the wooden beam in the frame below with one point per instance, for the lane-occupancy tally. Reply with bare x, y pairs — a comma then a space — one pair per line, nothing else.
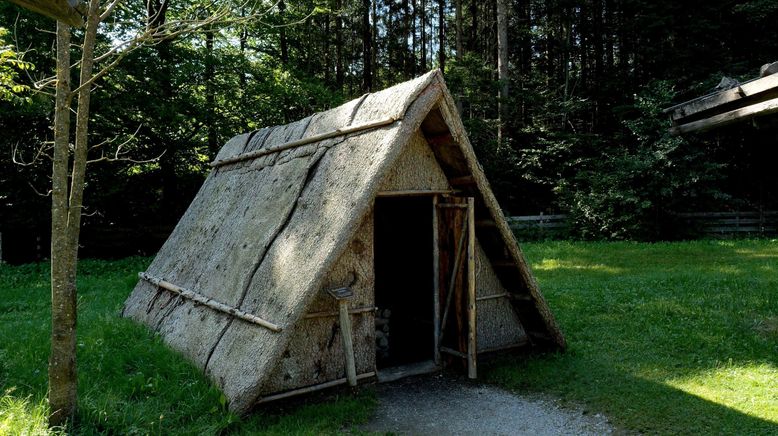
304, 141
208, 302
342, 296
313, 388
348, 342
455, 271
355, 311
416, 193
494, 296
453, 352
472, 307
436, 278
760, 109
452, 206
463, 180
61, 10
711, 101
505, 347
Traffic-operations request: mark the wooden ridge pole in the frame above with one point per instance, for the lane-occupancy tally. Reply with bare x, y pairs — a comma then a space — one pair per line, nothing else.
303, 141
205, 301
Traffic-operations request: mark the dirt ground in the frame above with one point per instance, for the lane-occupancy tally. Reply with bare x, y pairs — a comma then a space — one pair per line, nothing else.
445, 405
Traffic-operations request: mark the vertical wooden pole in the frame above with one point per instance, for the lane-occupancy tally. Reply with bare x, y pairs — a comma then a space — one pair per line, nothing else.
348, 342
436, 277
472, 329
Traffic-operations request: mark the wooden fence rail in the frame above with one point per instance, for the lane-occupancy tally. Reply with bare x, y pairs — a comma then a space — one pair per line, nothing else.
710, 224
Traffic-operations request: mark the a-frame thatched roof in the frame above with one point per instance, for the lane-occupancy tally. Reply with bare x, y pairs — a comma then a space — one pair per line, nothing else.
279, 209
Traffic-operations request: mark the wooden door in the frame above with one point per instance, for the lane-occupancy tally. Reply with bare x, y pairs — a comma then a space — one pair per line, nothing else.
455, 307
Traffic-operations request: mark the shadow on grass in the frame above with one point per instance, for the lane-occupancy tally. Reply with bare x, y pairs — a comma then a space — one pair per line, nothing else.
632, 403
667, 338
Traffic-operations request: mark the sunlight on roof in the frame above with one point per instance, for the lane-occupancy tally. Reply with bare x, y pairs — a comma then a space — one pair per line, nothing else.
556, 264
751, 389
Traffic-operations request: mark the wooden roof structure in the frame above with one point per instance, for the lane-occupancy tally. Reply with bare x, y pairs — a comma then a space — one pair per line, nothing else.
756, 98
61, 10
282, 204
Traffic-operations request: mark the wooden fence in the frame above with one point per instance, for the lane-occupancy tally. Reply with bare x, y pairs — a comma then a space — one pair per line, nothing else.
538, 226
729, 224
710, 224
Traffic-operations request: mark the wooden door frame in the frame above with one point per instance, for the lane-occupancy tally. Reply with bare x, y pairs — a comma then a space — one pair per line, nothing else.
472, 320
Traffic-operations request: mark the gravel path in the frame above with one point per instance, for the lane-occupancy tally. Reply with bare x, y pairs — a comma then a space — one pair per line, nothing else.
443, 405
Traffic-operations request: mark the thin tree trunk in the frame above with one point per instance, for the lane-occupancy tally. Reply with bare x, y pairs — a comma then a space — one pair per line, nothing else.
502, 64
367, 40
442, 35
66, 219
327, 56
210, 95
339, 45
473, 26
374, 39
284, 43
62, 361
424, 35
458, 7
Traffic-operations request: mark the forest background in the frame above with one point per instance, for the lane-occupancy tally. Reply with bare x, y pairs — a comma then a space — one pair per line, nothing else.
582, 132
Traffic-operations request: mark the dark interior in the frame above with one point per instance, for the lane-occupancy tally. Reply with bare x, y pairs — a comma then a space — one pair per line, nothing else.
404, 280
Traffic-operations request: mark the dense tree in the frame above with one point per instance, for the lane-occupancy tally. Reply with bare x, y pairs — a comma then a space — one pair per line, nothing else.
575, 68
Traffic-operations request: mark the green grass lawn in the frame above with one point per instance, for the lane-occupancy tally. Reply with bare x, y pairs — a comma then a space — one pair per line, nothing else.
675, 338
663, 338
129, 382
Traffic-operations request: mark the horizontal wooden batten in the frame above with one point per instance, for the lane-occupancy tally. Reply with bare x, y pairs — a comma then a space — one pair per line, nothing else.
504, 347
452, 206
760, 109
453, 352
707, 102
304, 141
332, 314
208, 302
314, 388
492, 297
416, 193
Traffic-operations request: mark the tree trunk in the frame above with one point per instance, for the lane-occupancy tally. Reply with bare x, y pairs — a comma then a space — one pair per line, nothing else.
423, 35
210, 95
367, 42
458, 7
374, 39
284, 43
442, 35
62, 361
66, 218
339, 45
502, 64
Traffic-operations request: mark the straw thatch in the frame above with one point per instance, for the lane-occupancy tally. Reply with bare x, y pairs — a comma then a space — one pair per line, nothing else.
266, 235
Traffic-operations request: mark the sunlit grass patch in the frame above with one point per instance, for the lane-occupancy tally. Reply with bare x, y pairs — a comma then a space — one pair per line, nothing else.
555, 264
750, 389
22, 415
681, 340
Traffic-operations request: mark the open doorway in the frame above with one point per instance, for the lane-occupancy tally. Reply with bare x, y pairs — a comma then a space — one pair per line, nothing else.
404, 281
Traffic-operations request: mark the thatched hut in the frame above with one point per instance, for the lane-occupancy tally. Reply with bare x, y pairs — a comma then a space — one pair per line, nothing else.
359, 243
